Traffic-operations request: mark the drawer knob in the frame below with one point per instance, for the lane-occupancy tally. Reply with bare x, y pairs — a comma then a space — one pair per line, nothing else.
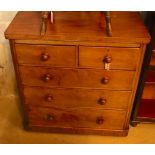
49, 98
102, 101
49, 117
105, 80
100, 120
107, 59
44, 57
47, 77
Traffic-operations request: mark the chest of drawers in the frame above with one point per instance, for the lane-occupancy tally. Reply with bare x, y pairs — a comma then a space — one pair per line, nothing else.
76, 79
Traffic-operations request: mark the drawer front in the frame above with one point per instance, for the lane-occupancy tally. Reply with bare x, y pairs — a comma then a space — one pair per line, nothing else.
45, 55
84, 117
42, 76
149, 91
152, 61
76, 98
119, 58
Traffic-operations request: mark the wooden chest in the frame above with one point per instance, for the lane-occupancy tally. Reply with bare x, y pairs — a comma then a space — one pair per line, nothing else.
76, 79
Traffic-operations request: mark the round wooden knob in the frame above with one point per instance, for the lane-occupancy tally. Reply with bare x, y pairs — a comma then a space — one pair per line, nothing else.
44, 57
102, 101
49, 117
47, 77
105, 80
49, 98
99, 120
107, 59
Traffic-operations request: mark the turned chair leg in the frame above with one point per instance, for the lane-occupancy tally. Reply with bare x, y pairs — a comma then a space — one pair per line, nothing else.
108, 23
45, 15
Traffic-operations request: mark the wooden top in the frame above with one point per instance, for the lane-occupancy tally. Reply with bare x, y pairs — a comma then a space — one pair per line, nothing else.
79, 26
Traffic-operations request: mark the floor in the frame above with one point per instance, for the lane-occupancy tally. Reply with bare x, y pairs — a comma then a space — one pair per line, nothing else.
11, 131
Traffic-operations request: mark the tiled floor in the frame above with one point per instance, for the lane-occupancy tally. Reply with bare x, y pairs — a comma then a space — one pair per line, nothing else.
11, 130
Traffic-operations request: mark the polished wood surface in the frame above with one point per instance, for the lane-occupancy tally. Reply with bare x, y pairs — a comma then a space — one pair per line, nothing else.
86, 117
76, 98
120, 58
152, 61
46, 14
149, 91
79, 26
75, 79
83, 43
92, 78
46, 55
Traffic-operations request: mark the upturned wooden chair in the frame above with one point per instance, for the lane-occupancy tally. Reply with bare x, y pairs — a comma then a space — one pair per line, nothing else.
46, 14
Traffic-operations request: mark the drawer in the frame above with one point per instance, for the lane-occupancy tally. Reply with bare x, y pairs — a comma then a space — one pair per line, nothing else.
84, 117
50, 77
152, 61
45, 55
76, 98
149, 87
119, 58
150, 77
149, 91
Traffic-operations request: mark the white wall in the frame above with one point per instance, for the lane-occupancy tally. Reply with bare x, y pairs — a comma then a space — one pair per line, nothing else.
7, 76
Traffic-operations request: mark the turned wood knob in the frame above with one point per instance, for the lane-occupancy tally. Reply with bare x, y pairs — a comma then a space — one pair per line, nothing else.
107, 59
47, 77
49, 117
49, 98
44, 57
102, 101
99, 120
105, 80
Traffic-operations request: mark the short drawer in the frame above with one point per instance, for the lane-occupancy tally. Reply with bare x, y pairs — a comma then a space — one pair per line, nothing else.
119, 58
76, 98
92, 78
45, 55
88, 118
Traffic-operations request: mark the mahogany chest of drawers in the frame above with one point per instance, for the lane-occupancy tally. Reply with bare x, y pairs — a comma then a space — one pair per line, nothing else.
76, 79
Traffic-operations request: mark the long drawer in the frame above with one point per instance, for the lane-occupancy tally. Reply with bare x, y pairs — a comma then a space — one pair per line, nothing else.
119, 58
46, 55
93, 78
84, 117
76, 98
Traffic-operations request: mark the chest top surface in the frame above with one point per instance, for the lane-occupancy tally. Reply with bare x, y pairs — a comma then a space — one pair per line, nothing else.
79, 26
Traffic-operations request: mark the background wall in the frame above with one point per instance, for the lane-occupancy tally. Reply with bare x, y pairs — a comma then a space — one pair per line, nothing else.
7, 75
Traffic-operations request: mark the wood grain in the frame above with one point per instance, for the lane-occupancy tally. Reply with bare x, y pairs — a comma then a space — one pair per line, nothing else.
57, 55
152, 61
79, 26
149, 91
92, 78
77, 118
83, 43
122, 58
82, 96
76, 98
